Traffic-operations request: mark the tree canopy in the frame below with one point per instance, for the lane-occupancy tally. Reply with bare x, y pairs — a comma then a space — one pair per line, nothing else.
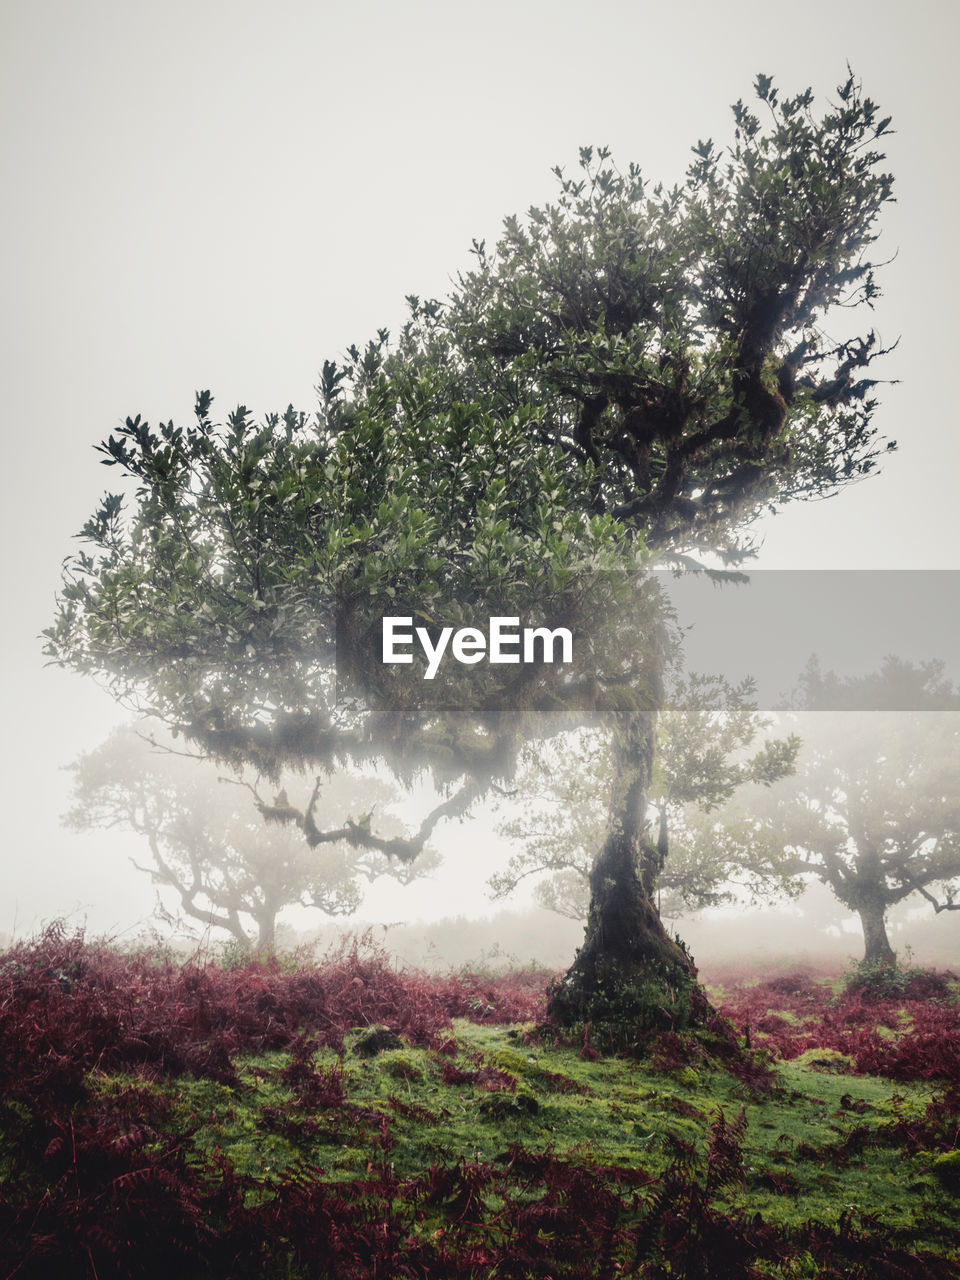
672, 341
241, 599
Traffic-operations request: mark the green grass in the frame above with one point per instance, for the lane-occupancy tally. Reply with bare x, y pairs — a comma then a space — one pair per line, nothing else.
614, 1113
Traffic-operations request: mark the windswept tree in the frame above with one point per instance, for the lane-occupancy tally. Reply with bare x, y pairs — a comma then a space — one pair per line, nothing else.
674, 345
711, 742
628, 366
209, 842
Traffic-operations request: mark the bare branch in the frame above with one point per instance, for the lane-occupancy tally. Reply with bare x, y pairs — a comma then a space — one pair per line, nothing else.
938, 906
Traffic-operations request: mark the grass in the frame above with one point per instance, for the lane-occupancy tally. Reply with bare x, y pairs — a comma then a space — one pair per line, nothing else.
815, 1147
158, 1120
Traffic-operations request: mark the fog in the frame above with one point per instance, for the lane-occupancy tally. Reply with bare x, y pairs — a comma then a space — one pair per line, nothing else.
223, 197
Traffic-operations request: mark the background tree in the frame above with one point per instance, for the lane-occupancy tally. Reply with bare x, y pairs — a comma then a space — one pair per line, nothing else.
211, 844
707, 853
628, 363
897, 685
874, 808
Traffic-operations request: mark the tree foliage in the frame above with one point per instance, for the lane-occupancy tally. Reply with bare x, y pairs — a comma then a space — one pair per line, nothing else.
626, 359
673, 341
241, 599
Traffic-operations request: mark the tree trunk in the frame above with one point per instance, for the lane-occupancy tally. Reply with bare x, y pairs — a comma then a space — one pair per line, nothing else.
267, 925
629, 977
877, 948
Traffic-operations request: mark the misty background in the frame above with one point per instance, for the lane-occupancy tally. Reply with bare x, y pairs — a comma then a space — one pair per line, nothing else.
222, 196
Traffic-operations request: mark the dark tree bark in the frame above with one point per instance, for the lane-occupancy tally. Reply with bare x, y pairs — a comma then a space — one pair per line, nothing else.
630, 976
877, 948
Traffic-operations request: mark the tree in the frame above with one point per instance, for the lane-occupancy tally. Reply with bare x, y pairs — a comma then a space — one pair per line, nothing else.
673, 342
874, 809
628, 364
702, 760
211, 844
898, 685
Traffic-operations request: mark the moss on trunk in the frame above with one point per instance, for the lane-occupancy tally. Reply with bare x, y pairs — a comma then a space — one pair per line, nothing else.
630, 977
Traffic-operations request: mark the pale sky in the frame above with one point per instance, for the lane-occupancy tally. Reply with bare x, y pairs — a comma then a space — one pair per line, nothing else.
223, 194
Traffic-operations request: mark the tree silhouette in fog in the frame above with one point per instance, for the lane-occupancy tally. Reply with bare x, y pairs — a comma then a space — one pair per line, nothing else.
210, 842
